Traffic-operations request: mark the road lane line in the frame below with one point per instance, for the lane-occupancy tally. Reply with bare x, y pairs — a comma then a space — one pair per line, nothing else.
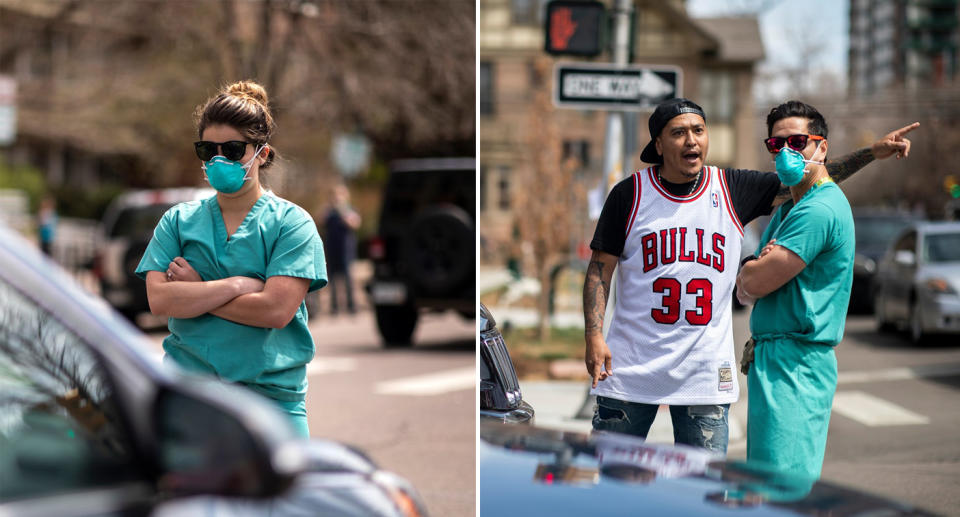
874, 412
430, 384
899, 374
322, 365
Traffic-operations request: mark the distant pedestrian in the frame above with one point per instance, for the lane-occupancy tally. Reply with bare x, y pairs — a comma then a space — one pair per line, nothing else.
340, 223
47, 224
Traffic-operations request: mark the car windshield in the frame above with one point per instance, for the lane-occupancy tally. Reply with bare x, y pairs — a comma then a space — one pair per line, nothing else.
873, 232
137, 221
942, 247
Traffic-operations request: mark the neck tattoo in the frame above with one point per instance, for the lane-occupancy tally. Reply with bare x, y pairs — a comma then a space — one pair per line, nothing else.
693, 184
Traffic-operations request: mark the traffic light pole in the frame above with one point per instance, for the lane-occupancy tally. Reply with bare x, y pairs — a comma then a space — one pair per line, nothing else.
613, 146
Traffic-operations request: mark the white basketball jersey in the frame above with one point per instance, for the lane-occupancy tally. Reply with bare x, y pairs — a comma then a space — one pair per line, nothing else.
671, 337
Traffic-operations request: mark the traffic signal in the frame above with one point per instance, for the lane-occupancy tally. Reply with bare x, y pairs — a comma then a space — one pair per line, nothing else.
951, 186
575, 28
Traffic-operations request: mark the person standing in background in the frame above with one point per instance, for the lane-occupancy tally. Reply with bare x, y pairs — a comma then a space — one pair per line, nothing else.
340, 222
47, 224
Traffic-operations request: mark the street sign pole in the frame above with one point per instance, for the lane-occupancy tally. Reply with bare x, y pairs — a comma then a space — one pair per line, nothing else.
613, 147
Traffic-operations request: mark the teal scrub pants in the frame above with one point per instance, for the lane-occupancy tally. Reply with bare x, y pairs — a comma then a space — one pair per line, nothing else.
297, 411
791, 387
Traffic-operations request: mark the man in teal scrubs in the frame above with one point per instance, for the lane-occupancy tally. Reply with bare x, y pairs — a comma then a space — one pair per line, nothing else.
801, 285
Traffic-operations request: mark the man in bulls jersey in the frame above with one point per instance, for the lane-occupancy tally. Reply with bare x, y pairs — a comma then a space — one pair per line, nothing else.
673, 231
801, 284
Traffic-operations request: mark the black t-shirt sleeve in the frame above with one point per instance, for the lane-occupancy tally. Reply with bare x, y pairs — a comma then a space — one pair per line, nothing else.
752, 192
611, 232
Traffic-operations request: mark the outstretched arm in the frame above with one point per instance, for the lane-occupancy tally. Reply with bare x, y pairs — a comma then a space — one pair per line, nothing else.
894, 142
596, 290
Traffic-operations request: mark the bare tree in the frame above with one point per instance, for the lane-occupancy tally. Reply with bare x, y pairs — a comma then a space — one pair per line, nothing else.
129, 75
546, 194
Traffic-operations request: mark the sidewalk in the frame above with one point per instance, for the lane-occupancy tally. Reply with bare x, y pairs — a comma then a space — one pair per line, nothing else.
557, 404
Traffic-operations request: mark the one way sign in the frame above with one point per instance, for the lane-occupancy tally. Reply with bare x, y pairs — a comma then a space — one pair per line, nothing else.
609, 87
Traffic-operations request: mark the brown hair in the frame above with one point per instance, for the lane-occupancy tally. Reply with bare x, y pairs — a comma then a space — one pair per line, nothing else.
242, 106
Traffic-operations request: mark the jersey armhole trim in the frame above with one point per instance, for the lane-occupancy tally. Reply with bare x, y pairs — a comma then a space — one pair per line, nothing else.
636, 202
727, 197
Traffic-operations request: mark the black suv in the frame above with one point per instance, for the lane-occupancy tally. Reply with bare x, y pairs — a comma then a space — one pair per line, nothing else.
424, 253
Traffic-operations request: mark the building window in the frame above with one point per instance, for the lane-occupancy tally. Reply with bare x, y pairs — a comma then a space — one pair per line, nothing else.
527, 12
486, 88
503, 188
717, 95
578, 149
483, 188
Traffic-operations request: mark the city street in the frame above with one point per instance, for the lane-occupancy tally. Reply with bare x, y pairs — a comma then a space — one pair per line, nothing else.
893, 431
410, 409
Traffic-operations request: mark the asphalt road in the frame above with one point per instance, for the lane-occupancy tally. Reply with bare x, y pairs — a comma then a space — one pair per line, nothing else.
896, 416
410, 409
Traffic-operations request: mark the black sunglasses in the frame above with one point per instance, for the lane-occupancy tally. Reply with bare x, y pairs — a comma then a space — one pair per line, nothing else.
232, 150
796, 142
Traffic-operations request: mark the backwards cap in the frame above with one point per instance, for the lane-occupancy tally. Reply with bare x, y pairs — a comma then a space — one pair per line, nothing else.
665, 111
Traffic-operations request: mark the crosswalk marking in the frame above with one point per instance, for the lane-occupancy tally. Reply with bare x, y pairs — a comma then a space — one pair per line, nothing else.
872, 411
321, 365
430, 384
899, 374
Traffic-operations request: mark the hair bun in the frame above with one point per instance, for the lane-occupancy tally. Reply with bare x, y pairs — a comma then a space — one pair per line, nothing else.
248, 89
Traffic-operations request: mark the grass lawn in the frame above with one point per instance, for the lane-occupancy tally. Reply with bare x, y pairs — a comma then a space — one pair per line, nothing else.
532, 357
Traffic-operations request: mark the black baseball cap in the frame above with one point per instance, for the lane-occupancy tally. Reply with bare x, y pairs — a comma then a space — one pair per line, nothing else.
665, 111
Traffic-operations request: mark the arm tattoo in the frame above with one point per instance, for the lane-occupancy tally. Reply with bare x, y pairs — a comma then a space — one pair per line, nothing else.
844, 167
839, 169
595, 292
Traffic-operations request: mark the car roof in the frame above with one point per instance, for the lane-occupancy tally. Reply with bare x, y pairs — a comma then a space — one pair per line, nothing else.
433, 164
938, 226
162, 196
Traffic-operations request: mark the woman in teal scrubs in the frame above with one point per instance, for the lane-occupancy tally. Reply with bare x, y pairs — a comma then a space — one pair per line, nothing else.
231, 271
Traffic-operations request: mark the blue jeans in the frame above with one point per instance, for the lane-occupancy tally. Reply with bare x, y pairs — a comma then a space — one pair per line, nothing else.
699, 426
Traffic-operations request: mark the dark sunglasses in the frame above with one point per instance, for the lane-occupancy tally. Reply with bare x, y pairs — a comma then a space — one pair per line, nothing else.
232, 150
796, 142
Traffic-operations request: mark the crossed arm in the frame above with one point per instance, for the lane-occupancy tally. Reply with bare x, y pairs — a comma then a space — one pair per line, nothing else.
181, 293
596, 290
775, 267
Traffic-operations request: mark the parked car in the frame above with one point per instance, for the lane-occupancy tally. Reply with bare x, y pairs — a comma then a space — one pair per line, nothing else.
918, 281
532, 471
875, 229
126, 229
424, 252
500, 396
91, 425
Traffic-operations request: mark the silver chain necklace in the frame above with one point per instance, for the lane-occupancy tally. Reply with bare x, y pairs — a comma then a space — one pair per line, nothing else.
693, 184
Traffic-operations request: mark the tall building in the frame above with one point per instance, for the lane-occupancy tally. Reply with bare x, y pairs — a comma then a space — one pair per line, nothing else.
903, 43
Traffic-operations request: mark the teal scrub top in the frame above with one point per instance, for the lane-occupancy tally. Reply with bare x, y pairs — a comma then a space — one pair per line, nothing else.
277, 237
812, 306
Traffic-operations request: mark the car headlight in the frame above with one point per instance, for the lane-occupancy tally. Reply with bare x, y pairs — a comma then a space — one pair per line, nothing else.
864, 263
939, 286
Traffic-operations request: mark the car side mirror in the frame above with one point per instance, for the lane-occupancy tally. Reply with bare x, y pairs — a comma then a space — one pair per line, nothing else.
215, 439
905, 258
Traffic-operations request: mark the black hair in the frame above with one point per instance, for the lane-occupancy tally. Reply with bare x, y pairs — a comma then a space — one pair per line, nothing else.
816, 124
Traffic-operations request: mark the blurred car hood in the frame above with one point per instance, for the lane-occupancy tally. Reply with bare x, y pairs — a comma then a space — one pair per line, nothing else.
949, 271
533, 471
